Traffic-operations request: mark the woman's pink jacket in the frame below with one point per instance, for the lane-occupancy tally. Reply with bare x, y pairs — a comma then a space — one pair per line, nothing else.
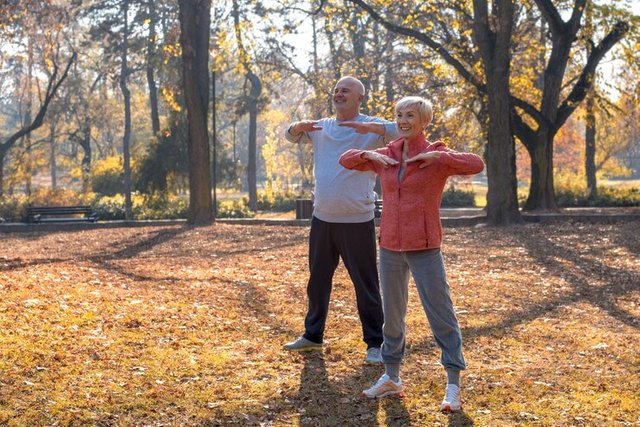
411, 209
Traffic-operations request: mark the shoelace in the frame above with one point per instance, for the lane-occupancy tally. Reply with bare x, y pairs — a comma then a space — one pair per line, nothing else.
452, 394
383, 379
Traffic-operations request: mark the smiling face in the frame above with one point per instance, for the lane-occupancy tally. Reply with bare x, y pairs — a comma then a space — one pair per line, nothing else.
347, 97
409, 121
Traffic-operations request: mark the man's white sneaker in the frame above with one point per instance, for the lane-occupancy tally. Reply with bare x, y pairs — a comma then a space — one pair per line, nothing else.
451, 401
302, 344
374, 357
384, 387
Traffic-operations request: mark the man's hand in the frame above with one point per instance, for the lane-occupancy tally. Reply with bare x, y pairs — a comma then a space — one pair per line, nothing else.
385, 161
368, 127
304, 126
426, 158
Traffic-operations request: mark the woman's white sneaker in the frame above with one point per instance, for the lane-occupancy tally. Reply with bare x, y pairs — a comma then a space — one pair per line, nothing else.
384, 387
451, 401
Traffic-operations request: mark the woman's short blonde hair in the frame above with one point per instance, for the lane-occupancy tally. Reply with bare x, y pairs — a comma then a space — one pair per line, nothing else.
425, 109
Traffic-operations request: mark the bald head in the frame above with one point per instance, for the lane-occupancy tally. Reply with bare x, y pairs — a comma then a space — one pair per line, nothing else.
347, 97
352, 81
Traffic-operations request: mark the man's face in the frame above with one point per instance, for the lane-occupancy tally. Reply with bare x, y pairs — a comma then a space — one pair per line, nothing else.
347, 97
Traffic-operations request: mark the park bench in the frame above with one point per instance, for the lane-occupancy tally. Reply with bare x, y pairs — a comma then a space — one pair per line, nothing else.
39, 214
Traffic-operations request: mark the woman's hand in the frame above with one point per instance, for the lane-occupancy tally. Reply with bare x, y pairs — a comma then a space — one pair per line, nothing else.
426, 158
368, 127
385, 161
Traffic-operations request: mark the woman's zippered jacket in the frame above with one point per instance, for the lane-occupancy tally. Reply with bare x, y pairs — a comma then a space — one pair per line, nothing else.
411, 207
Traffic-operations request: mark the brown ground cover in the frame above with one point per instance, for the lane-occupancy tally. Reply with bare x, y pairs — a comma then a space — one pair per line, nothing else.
184, 326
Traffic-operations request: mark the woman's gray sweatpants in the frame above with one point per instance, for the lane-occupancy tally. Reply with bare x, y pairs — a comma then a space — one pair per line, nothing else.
427, 269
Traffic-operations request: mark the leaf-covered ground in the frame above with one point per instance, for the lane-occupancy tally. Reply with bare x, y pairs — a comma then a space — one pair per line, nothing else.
165, 326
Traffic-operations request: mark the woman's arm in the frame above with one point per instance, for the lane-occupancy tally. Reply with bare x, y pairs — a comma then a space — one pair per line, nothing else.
364, 160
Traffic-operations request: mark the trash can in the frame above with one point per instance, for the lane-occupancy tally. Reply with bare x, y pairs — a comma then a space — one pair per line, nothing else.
304, 208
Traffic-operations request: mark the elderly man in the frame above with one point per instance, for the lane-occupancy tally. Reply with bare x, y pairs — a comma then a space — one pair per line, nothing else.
342, 223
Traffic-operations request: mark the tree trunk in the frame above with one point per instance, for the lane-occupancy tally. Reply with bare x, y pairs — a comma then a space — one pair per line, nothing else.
126, 139
52, 156
541, 190
252, 107
151, 82
502, 198
3, 155
214, 144
357, 35
590, 147
195, 18
85, 143
254, 94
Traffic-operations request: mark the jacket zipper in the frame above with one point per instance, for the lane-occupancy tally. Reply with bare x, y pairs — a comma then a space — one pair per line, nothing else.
398, 215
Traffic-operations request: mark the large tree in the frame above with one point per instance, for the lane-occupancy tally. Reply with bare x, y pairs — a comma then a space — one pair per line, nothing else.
492, 32
551, 113
53, 84
195, 18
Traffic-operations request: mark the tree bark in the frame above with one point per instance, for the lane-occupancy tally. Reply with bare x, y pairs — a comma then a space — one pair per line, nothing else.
502, 199
541, 189
52, 156
151, 82
85, 143
252, 167
126, 93
590, 146
195, 18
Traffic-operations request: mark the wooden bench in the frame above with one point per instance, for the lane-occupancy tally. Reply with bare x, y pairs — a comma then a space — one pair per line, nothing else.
38, 214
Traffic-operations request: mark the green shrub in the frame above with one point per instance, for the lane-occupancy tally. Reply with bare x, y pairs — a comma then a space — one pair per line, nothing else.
109, 207
107, 176
606, 197
160, 206
12, 208
144, 207
454, 198
279, 202
234, 209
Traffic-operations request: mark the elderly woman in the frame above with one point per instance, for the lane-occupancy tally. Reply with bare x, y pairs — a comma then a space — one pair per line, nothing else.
413, 173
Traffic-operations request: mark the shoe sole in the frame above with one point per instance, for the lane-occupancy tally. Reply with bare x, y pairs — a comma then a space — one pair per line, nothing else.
372, 362
303, 349
448, 409
398, 394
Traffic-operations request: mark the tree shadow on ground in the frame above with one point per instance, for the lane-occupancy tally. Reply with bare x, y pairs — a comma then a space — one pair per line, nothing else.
128, 251
321, 402
580, 278
459, 419
622, 232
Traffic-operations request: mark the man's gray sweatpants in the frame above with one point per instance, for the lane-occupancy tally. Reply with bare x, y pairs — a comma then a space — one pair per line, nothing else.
427, 269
